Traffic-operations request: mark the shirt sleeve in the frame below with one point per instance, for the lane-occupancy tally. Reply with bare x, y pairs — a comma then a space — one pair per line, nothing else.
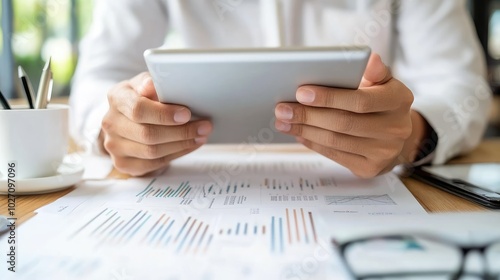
438, 56
112, 51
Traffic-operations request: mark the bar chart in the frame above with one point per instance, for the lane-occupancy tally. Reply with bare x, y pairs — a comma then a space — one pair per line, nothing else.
183, 192
245, 192
146, 228
297, 184
281, 230
180, 234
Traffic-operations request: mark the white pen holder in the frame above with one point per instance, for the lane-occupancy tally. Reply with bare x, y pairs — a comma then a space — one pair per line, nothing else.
33, 142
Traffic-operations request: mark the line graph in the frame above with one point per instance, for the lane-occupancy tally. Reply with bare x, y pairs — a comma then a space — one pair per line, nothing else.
383, 199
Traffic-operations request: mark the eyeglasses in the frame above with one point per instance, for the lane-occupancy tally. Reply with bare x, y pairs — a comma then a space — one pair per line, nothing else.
418, 256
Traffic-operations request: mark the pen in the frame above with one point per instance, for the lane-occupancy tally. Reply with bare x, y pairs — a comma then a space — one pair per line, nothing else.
28, 88
49, 94
4, 102
44, 87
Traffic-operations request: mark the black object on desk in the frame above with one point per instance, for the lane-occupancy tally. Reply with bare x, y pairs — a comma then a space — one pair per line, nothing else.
460, 180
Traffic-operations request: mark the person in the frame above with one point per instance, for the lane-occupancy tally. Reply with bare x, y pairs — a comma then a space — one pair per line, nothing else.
423, 97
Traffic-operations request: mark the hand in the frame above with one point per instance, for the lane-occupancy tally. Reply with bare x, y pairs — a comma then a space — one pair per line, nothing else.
368, 130
143, 135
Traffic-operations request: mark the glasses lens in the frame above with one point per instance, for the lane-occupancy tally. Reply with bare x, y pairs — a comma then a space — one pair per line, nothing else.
402, 256
492, 256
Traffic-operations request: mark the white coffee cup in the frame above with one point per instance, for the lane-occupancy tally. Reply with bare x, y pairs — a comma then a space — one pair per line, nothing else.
35, 140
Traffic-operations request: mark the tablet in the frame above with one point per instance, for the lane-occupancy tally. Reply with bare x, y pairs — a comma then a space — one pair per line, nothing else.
238, 88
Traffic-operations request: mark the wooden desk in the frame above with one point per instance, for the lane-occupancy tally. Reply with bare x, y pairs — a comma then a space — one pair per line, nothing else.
432, 199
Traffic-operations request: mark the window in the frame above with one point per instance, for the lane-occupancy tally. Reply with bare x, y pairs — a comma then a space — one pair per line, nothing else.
42, 28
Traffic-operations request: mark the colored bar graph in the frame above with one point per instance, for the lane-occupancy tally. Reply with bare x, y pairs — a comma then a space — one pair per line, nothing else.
200, 241
103, 223
185, 236
194, 237
296, 224
288, 227
148, 187
272, 235
304, 224
88, 223
182, 229
159, 230
313, 228
167, 230
138, 228
277, 235
165, 192
282, 245
111, 227
153, 227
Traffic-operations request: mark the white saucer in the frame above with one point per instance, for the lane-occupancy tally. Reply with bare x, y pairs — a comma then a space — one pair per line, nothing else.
67, 175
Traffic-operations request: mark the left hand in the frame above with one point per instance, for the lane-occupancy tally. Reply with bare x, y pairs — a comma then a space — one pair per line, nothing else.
369, 130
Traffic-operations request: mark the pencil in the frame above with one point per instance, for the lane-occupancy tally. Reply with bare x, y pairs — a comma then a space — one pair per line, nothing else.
4, 102
28, 88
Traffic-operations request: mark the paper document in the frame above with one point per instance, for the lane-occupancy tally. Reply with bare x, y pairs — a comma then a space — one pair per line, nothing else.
228, 181
229, 215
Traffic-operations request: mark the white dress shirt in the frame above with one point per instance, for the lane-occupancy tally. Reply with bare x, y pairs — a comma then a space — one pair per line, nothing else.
430, 45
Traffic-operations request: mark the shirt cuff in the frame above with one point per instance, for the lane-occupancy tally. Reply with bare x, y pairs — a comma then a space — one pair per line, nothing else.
92, 129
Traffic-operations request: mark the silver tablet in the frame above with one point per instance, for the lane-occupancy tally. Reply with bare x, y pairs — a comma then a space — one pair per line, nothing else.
239, 88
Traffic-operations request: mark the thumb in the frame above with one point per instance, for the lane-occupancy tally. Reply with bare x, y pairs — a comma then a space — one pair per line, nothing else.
376, 72
143, 85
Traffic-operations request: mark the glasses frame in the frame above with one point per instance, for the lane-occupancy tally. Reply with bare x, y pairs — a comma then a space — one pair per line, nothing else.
464, 249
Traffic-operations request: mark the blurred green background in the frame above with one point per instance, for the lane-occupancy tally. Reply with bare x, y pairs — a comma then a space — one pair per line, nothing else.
43, 28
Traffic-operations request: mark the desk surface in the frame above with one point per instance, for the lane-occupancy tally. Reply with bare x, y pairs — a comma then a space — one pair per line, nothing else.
432, 199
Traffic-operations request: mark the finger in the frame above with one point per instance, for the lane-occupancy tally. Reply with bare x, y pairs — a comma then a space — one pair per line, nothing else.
126, 148
155, 134
376, 72
370, 125
359, 165
143, 85
140, 109
338, 141
139, 167
378, 98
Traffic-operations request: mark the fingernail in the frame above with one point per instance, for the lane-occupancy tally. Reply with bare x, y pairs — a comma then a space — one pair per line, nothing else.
201, 140
146, 81
285, 127
284, 112
182, 116
204, 129
306, 96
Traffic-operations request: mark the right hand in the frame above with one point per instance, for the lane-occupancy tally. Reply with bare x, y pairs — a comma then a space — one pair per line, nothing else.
143, 135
